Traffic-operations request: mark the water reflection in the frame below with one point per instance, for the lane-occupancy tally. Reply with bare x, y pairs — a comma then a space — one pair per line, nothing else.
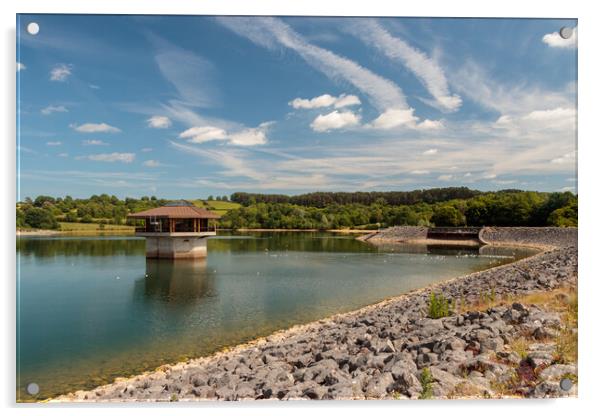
40, 247
178, 281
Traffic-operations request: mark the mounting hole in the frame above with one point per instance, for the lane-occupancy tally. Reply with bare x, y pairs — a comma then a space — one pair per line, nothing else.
566, 384
33, 28
33, 389
566, 32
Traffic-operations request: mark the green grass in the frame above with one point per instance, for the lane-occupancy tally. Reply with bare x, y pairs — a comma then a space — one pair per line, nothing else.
439, 306
80, 226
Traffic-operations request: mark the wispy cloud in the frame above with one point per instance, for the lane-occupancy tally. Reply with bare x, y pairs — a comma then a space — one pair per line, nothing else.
152, 163
271, 33
566, 158
111, 157
192, 75
54, 109
517, 98
57, 143
554, 40
94, 143
235, 165
60, 72
425, 68
158, 122
94, 128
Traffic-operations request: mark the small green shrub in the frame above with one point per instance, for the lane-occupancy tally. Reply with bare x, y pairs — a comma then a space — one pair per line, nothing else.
439, 306
426, 380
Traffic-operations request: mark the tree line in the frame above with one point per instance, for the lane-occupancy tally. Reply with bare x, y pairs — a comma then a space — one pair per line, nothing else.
324, 199
326, 210
502, 208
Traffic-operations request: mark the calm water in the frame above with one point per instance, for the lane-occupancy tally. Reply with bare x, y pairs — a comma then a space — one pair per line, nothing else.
93, 308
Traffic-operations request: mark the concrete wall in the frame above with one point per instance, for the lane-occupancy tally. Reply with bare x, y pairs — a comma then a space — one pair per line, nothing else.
176, 247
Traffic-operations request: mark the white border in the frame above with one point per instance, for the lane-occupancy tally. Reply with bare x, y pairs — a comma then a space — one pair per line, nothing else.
590, 293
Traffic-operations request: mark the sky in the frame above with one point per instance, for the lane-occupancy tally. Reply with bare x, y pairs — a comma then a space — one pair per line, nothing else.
191, 106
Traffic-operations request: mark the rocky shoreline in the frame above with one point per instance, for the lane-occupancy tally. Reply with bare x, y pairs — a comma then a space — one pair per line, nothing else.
494, 343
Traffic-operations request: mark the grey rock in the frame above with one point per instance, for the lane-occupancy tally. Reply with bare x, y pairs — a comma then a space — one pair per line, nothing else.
378, 387
557, 371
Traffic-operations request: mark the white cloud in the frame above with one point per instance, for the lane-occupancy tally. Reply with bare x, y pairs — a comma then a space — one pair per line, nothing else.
60, 72
445, 177
94, 143
202, 134
489, 176
419, 172
426, 69
152, 163
20, 66
271, 33
146, 149
159, 122
94, 86
111, 157
248, 136
430, 125
325, 100
563, 120
394, 117
554, 40
94, 128
54, 143
54, 109
566, 158
335, 120
63, 154
430, 152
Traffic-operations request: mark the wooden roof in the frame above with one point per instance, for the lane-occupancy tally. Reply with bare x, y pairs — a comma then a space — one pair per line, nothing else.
181, 211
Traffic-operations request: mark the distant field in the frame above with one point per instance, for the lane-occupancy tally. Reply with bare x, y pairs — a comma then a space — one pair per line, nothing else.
220, 207
80, 226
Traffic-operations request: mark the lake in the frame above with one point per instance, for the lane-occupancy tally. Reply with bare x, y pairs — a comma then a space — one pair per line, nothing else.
90, 309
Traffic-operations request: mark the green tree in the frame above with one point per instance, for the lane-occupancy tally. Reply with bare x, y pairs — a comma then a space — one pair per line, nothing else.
40, 218
71, 217
448, 216
564, 217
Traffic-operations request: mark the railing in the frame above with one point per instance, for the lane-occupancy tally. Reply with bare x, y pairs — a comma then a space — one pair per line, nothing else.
178, 230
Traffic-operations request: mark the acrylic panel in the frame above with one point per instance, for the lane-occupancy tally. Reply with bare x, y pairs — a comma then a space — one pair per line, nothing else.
295, 208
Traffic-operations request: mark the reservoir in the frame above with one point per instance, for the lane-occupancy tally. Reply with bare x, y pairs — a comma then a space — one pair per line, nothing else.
90, 309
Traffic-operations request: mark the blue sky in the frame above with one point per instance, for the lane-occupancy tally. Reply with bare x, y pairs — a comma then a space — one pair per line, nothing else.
189, 106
